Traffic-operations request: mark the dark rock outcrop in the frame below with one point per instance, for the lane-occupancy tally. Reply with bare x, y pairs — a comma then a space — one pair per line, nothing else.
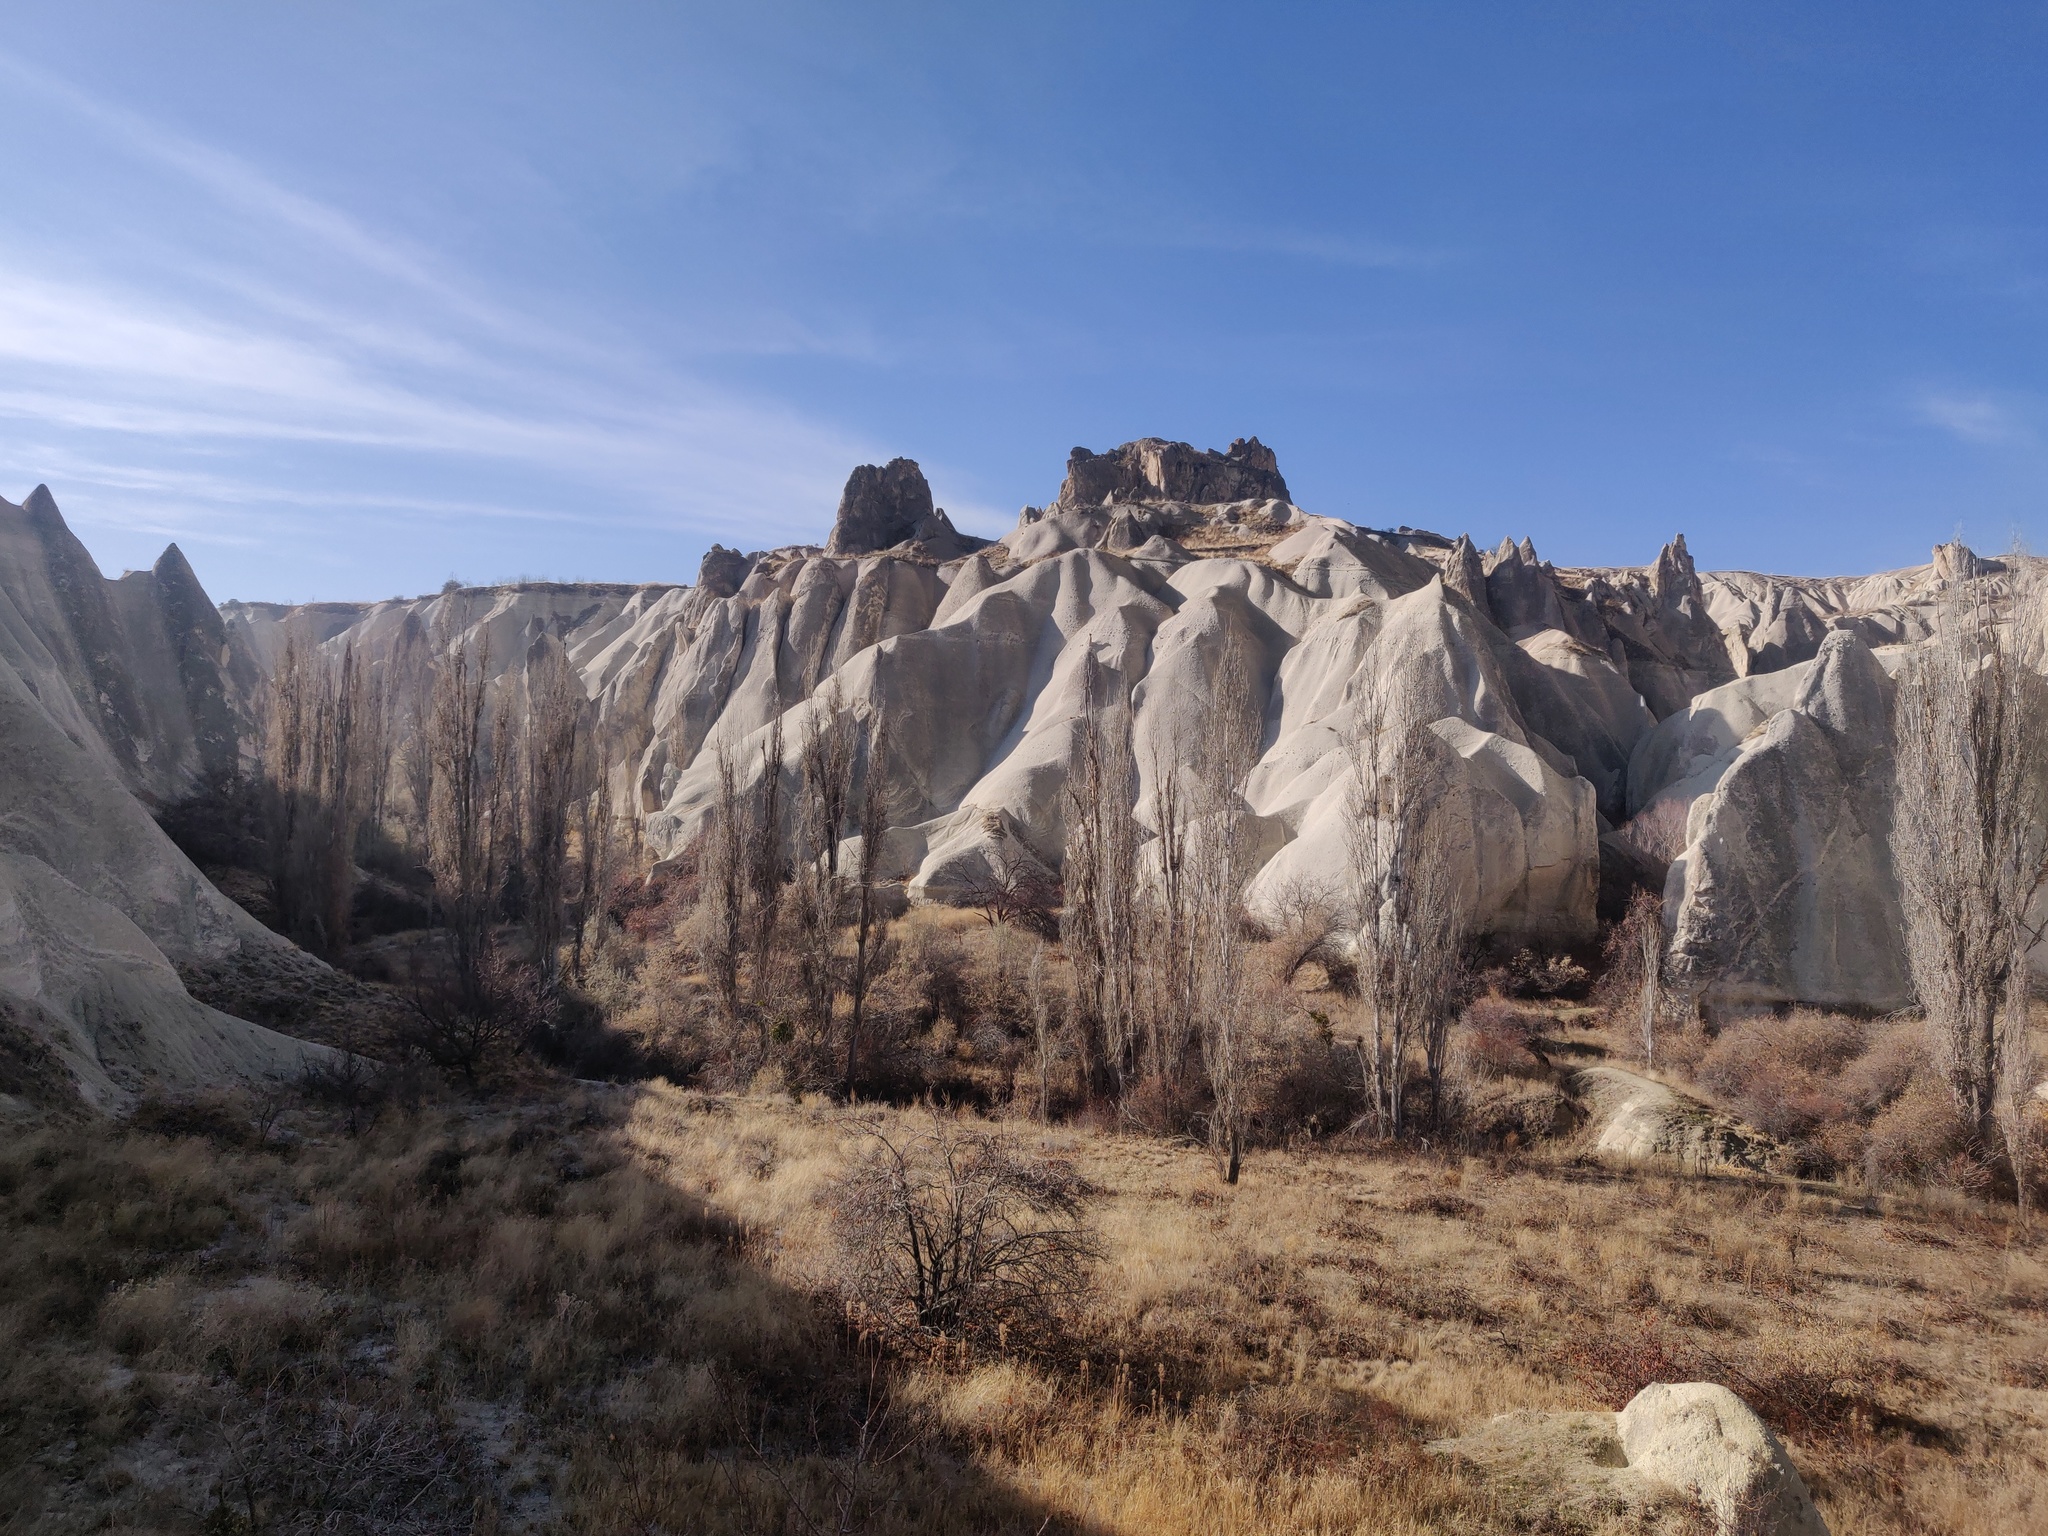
889, 505
1153, 469
723, 570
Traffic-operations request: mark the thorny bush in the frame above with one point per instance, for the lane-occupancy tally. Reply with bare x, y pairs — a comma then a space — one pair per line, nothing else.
951, 1228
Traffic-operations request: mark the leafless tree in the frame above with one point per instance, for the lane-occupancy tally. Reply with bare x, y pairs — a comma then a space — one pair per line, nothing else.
869, 922
1038, 997
767, 871
596, 844
1307, 916
1635, 956
1970, 830
722, 881
1172, 932
950, 1229
817, 897
1219, 865
1405, 896
555, 706
1100, 922
466, 805
313, 752
411, 682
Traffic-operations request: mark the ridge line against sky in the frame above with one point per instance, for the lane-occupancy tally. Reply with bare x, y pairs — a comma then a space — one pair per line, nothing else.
347, 301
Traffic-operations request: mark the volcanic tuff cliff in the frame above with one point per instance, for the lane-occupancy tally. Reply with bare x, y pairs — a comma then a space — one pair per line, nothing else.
1588, 715
113, 694
1721, 732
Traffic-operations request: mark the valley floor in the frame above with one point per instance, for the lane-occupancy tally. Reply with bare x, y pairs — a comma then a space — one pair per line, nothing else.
611, 1309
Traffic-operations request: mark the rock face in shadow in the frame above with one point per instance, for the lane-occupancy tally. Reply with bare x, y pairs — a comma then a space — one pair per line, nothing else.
890, 504
131, 670
1785, 891
97, 908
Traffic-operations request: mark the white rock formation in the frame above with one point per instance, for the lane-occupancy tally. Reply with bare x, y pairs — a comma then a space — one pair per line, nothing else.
97, 907
1675, 1453
1701, 1438
1569, 702
1785, 890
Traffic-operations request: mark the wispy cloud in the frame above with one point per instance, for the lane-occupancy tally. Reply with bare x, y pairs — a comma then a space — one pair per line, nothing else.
321, 333
1310, 245
1972, 416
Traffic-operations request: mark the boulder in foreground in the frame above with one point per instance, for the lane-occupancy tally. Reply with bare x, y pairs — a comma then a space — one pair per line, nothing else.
1704, 1440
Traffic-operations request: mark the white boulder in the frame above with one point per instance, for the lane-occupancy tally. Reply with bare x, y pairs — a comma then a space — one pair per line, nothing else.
1704, 1440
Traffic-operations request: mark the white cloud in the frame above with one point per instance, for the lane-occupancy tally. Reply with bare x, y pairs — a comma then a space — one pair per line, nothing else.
1975, 418
318, 333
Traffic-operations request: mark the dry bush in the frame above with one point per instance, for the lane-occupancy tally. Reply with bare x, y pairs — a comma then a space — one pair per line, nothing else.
1921, 1138
1308, 915
945, 1227
1494, 1040
1784, 1076
1528, 974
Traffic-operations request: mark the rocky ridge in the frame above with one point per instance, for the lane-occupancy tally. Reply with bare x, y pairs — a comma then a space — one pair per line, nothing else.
1587, 715
1711, 732
114, 694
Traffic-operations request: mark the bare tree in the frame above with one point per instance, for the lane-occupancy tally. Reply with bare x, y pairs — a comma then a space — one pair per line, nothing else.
1970, 831
412, 688
1635, 957
950, 1228
465, 805
1039, 1000
313, 753
1173, 934
1405, 896
1100, 922
869, 922
596, 840
817, 898
722, 882
555, 705
1219, 865
767, 871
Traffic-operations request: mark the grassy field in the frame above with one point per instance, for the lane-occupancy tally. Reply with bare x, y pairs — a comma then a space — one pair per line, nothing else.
618, 1309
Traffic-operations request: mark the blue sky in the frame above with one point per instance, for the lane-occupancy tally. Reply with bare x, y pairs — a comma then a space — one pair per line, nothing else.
349, 298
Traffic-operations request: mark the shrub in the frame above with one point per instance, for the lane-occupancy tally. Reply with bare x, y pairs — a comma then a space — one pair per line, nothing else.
1920, 1138
1786, 1076
1494, 1039
1529, 974
950, 1228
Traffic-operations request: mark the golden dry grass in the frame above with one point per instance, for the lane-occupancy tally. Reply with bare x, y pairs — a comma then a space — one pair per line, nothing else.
610, 1311
1900, 1345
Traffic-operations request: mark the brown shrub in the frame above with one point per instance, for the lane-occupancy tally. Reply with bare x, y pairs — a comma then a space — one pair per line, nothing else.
1919, 1138
1493, 1040
950, 1228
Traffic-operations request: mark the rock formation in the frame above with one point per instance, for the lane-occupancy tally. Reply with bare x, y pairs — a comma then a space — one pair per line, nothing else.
1785, 890
889, 505
1700, 1438
97, 908
1154, 470
1722, 733
130, 670
1675, 1452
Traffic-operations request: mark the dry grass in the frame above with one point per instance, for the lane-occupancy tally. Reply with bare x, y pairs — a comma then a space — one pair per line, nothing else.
1305, 1329
599, 1311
